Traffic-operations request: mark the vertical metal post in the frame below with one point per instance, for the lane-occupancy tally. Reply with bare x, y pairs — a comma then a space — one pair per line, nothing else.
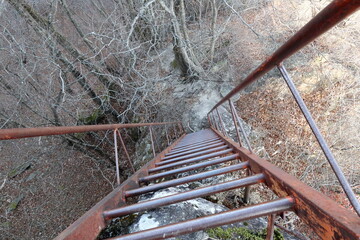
247, 189
235, 123
156, 141
248, 171
116, 158
241, 127
209, 120
270, 227
218, 124
167, 135
212, 119
325, 148
152, 142
125, 150
215, 122
181, 128
221, 122
175, 132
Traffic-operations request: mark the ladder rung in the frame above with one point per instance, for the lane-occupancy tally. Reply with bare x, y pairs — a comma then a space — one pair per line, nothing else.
200, 192
192, 147
201, 133
191, 178
191, 160
215, 220
177, 147
189, 168
194, 150
191, 155
200, 137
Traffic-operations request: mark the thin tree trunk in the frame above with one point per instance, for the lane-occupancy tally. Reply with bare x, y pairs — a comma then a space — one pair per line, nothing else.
87, 42
180, 47
78, 30
37, 21
213, 28
45, 28
186, 35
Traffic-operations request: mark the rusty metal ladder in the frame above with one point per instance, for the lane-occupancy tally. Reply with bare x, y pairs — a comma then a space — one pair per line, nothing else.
197, 151
210, 147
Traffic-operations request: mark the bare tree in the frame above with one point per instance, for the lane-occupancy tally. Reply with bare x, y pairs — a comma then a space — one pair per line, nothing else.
99, 65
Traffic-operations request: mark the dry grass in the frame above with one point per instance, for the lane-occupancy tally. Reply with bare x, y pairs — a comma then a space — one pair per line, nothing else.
327, 74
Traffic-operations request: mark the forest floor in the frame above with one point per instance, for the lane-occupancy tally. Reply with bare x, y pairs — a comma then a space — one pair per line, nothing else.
45, 186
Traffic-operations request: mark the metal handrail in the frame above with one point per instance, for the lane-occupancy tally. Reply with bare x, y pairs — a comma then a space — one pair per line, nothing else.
14, 133
320, 139
335, 12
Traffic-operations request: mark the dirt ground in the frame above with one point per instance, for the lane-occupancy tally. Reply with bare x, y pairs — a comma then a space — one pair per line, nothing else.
45, 186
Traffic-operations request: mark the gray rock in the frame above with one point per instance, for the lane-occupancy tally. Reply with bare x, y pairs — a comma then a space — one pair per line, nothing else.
15, 203
219, 66
143, 152
225, 89
19, 169
188, 210
175, 213
31, 176
230, 127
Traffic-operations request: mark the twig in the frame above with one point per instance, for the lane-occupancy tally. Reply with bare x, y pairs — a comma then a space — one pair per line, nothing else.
3, 184
241, 18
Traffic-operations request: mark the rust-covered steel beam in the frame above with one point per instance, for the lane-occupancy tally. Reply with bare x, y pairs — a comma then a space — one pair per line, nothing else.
92, 222
270, 227
187, 179
328, 219
335, 12
215, 220
14, 133
200, 192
